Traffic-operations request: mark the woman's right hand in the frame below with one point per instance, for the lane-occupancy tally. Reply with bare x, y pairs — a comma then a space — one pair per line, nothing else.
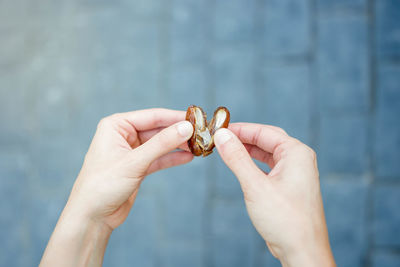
284, 205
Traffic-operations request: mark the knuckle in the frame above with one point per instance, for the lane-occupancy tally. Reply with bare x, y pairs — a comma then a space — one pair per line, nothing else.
159, 110
312, 152
157, 164
279, 152
108, 121
305, 149
157, 119
116, 115
285, 148
247, 194
235, 154
294, 146
141, 163
104, 122
163, 138
279, 129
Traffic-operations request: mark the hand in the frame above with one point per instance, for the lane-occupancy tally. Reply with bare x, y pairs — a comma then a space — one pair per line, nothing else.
284, 205
125, 148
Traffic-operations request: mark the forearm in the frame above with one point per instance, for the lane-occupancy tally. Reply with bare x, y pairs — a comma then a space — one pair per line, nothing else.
319, 257
313, 250
76, 241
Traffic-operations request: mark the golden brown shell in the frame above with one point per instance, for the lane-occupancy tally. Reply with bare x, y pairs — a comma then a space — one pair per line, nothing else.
202, 140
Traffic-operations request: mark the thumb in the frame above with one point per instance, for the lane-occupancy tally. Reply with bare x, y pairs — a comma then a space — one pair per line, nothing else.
236, 157
164, 142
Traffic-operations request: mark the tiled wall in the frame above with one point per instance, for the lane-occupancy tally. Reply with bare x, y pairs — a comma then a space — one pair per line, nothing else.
327, 71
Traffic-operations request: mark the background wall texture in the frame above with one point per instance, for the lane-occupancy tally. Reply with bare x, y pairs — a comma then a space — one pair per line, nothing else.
327, 71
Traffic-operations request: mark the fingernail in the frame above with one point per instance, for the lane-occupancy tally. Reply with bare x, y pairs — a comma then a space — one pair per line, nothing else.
222, 136
185, 129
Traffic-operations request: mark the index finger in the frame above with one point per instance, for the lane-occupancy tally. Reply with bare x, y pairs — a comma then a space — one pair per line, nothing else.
148, 119
263, 136
144, 136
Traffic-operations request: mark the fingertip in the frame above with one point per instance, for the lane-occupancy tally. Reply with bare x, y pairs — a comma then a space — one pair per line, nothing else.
185, 129
222, 136
165, 141
235, 156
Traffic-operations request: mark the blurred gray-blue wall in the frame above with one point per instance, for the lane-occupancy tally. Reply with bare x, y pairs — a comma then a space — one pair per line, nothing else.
327, 71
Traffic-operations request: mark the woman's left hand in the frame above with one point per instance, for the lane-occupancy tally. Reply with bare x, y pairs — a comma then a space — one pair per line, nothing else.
126, 148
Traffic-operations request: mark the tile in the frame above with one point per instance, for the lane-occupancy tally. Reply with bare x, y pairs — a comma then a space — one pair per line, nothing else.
235, 21
342, 64
343, 144
386, 230
233, 240
385, 259
136, 240
288, 100
287, 28
387, 28
345, 204
387, 130
341, 7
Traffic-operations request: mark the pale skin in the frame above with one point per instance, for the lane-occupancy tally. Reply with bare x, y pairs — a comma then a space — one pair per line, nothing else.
285, 205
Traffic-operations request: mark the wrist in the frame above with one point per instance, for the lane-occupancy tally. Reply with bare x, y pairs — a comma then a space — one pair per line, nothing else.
92, 231
310, 248
308, 254
303, 257
77, 238
76, 222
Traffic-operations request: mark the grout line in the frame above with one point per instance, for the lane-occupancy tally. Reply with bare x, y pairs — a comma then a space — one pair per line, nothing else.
262, 93
160, 231
372, 123
208, 32
164, 24
337, 112
393, 60
386, 181
260, 62
388, 249
314, 81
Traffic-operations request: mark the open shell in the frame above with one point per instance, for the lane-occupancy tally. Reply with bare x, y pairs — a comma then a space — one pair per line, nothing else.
202, 140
